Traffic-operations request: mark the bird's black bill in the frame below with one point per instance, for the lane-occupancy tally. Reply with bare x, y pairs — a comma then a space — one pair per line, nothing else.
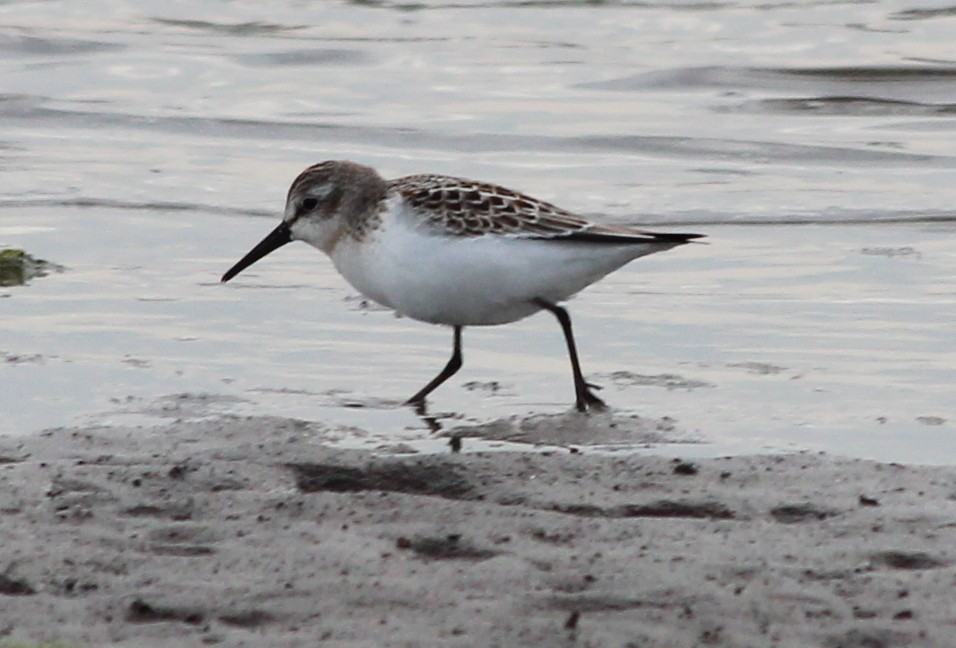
276, 239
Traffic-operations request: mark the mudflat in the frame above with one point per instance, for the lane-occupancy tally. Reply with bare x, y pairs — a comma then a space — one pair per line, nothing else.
249, 532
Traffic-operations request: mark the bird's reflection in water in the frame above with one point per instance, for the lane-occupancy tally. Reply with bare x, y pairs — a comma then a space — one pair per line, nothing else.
434, 423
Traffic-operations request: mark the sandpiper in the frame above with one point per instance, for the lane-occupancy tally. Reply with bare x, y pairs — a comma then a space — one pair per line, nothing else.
452, 251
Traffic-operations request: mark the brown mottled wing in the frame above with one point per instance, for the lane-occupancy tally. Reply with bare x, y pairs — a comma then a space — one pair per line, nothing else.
460, 207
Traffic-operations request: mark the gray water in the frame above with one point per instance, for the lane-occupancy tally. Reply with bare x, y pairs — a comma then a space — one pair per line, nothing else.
146, 146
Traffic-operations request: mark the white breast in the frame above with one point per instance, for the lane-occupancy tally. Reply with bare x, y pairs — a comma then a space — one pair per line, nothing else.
471, 281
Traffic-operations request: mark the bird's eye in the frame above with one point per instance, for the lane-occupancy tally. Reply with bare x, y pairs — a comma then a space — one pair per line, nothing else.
309, 204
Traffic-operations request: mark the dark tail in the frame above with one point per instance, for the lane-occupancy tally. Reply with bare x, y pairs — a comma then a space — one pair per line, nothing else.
676, 238
637, 237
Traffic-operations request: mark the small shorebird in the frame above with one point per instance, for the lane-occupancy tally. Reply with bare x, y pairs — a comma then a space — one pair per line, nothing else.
453, 251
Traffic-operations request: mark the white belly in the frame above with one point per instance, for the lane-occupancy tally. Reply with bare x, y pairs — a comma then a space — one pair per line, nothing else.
473, 281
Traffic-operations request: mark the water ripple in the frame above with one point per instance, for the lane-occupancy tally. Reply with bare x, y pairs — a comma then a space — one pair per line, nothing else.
846, 78
29, 110
303, 57
49, 46
128, 205
251, 28
924, 14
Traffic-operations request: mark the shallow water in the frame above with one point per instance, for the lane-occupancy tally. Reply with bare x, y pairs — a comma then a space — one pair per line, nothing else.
146, 146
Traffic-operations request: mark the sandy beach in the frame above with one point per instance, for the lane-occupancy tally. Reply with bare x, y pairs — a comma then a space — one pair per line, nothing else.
249, 532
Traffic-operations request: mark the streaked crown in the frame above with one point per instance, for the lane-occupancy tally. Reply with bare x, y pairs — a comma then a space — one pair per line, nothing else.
328, 199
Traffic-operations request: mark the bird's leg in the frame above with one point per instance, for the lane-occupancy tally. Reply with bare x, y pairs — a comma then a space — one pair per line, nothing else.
584, 398
454, 364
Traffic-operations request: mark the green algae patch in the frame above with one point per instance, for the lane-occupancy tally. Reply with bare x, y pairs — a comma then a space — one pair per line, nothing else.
18, 267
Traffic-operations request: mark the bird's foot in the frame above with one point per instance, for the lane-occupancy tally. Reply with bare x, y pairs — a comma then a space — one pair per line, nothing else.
587, 401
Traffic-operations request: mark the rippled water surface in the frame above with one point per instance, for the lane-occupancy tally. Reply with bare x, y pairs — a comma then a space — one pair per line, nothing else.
146, 146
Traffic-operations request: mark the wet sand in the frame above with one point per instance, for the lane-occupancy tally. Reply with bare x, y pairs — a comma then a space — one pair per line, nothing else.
249, 532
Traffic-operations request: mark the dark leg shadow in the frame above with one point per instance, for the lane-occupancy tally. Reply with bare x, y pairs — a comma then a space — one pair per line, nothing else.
434, 424
421, 409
